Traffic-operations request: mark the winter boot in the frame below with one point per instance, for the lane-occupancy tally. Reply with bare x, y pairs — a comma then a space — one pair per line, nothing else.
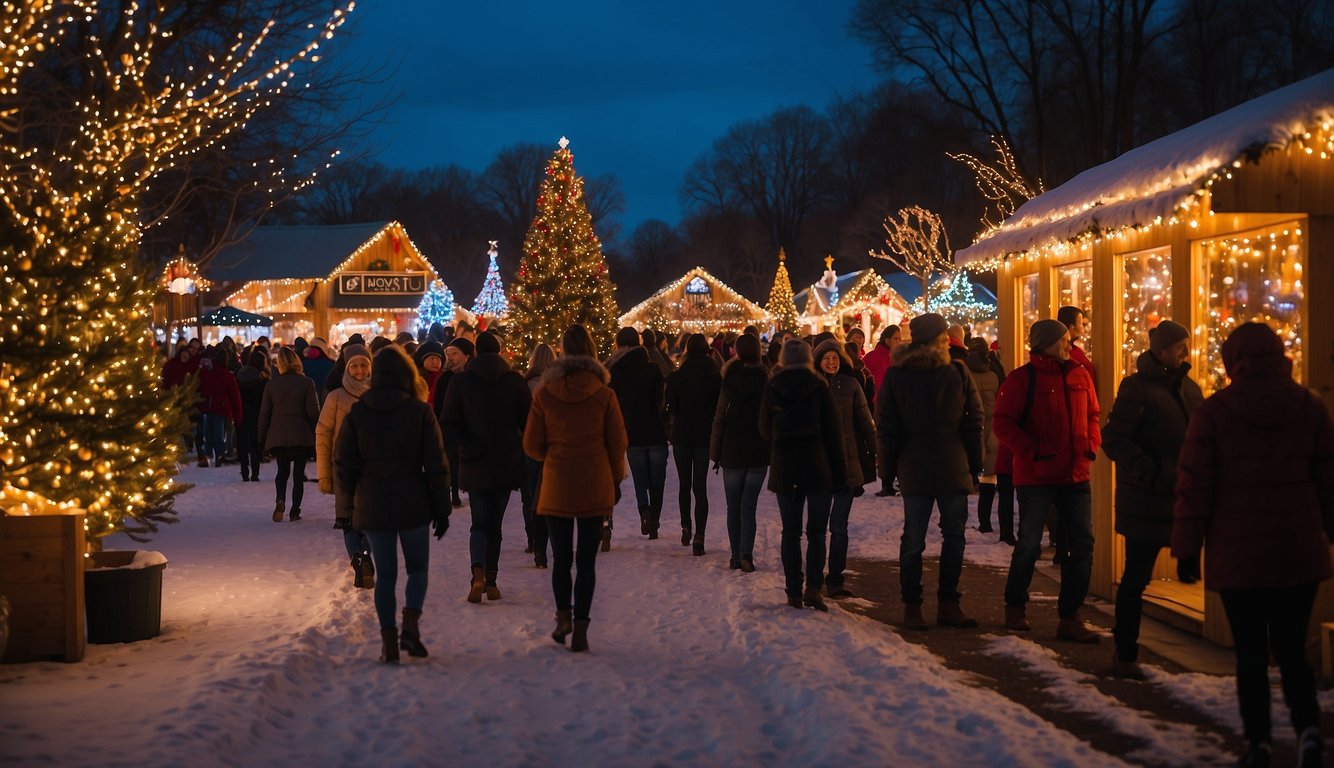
606, 535
1258, 756
203, 460
697, 545
492, 591
278, 509
579, 641
794, 600
563, 626
1127, 670
478, 584
1015, 620
949, 614
410, 639
686, 536
1076, 631
389, 646
645, 521
814, 599
912, 618
295, 514
1310, 749
747, 565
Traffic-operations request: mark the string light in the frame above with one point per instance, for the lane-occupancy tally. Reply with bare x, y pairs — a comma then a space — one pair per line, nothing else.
437, 306
690, 304
868, 292
491, 302
782, 307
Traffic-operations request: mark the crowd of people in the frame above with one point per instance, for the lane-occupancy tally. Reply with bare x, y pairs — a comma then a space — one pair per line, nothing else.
400, 429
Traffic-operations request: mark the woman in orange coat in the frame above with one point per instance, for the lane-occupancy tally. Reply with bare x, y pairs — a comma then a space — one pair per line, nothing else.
575, 429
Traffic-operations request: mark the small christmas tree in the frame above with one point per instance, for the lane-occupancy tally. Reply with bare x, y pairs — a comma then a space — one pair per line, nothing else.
437, 306
491, 302
562, 278
781, 307
955, 300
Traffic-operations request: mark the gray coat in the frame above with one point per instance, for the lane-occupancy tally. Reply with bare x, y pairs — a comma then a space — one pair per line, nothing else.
289, 412
988, 384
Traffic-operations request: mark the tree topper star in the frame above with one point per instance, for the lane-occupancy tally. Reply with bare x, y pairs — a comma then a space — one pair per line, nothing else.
564, 142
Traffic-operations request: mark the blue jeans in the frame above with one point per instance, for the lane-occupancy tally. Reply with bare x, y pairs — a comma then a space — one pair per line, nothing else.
488, 512
215, 436
648, 468
533, 524
1074, 510
742, 488
790, 508
356, 542
564, 556
416, 544
840, 509
916, 519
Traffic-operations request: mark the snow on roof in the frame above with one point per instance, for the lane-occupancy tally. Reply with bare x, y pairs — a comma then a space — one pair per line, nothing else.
1155, 180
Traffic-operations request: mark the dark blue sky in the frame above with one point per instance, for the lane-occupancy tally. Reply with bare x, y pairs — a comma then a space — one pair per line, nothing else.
640, 88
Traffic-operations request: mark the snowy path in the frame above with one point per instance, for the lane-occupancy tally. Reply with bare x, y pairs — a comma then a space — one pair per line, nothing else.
267, 657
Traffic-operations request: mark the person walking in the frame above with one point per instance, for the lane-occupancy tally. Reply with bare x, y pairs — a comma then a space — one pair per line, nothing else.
1255, 485
988, 382
1143, 436
355, 361
251, 381
317, 364
798, 417
219, 405
1047, 415
392, 482
287, 418
735, 445
485, 413
930, 417
575, 430
457, 355
692, 399
534, 525
857, 430
639, 384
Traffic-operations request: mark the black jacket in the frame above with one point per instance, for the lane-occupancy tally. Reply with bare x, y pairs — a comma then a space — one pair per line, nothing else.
692, 398
252, 386
929, 418
484, 413
798, 415
1144, 435
735, 441
638, 385
389, 464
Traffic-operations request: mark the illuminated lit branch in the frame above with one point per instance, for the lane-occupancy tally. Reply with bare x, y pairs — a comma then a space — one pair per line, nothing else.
914, 246
1003, 185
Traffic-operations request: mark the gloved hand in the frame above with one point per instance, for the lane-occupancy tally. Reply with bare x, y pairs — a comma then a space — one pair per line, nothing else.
1188, 569
342, 523
439, 525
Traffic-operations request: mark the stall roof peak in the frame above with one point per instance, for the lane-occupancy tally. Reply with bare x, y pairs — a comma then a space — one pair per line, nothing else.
1151, 182
302, 252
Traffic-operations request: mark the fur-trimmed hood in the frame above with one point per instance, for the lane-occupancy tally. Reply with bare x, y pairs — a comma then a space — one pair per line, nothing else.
575, 377
920, 356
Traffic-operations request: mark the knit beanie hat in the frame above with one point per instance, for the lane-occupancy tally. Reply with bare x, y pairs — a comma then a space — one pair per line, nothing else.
487, 343
926, 327
464, 346
1045, 333
350, 351
1167, 333
795, 352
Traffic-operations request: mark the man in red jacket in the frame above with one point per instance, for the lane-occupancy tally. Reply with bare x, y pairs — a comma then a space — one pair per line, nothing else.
1047, 416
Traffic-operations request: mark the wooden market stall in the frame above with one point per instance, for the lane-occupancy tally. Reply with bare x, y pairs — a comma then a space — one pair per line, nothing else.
328, 281
696, 302
1227, 221
862, 299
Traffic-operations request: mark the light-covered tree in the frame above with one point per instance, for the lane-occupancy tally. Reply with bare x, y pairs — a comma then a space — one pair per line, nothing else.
782, 308
916, 242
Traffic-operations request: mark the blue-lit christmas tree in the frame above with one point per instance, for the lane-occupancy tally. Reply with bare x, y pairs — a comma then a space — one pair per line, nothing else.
437, 306
491, 302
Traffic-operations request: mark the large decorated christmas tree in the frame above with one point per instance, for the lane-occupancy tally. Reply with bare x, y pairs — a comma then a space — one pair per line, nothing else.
562, 278
782, 308
491, 303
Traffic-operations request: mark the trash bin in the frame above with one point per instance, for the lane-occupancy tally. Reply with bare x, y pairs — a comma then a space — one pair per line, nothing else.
123, 594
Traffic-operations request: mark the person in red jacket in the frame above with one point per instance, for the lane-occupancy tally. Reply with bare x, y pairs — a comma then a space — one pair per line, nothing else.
219, 402
1255, 482
1047, 416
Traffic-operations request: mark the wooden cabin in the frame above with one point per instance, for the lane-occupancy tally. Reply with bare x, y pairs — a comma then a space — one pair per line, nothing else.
696, 302
859, 299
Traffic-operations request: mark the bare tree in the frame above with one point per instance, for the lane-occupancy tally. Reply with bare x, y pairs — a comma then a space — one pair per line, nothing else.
1000, 181
914, 243
512, 181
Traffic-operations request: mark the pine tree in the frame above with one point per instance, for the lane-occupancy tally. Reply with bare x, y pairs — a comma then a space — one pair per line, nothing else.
562, 278
437, 306
491, 302
781, 307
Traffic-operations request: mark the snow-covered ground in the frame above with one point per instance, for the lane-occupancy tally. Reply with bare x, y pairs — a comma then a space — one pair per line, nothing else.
268, 657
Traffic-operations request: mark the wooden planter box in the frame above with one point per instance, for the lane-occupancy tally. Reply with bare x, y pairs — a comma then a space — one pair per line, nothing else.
41, 572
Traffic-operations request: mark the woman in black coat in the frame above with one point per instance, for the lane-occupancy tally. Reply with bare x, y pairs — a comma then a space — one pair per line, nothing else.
806, 465
736, 446
638, 384
287, 416
392, 484
692, 398
252, 380
485, 412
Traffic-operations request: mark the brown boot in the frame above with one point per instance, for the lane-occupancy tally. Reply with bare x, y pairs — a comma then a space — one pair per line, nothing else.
1076, 631
410, 639
1015, 620
563, 626
814, 599
912, 618
951, 615
579, 640
478, 584
389, 645
492, 592
1128, 670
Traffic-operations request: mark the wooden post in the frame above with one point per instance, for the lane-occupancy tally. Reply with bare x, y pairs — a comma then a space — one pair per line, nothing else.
41, 572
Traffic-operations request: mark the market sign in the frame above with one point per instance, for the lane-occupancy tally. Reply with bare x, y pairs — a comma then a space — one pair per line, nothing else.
381, 283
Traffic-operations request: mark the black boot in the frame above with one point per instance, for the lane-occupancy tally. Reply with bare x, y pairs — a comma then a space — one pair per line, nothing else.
645, 522
579, 642
492, 591
389, 646
411, 640
697, 545
606, 534
686, 536
563, 626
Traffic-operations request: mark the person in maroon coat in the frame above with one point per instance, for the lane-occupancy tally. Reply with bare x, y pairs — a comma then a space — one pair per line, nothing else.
220, 404
1255, 482
1047, 416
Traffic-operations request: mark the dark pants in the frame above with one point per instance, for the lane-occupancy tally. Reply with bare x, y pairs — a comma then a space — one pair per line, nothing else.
534, 524
416, 544
488, 513
648, 468
247, 448
692, 467
840, 509
791, 509
1262, 620
215, 436
564, 556
1074, 509
452, 455
290, 459
916, 519
1005, 503
742, 488
1140, 558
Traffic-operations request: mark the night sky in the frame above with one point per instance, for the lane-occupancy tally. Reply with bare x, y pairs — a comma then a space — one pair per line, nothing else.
641, 89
